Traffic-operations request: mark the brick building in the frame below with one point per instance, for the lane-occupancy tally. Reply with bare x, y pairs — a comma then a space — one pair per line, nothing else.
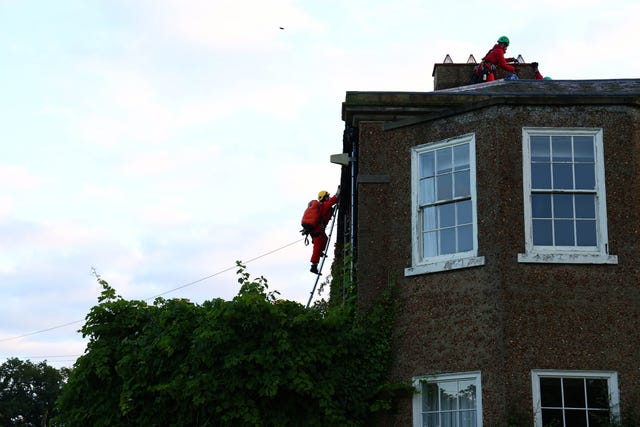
508, 215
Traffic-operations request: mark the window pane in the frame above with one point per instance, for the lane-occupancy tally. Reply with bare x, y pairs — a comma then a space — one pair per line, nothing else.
465, 238
561, 149
563, 233
542, 232
461, 157
427, 191
429, 396
574, 392
585, 206
430, 244
445, 189
562, 176
467, 394
575, 418
541, 176
427, 164
447, 215
583, 149
597, 393
585, 176
429, 219
462, 183
468, 419
447, 241
443, 161
586, 233
448, 395
563, 206
464, 212
431, 420
550, 392
541, 205
599, 419
448, 419
540, 149
552, 417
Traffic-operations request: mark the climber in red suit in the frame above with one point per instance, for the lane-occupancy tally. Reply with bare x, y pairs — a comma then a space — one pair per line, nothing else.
495, 58
319, 236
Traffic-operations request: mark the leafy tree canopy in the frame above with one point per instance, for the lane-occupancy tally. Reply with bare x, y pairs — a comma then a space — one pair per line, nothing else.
254, 360
28, 392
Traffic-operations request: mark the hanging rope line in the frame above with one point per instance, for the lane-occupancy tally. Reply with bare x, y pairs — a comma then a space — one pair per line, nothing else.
154, 297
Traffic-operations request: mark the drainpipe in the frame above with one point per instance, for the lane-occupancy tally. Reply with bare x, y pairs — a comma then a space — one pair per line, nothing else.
346, 159
354, 157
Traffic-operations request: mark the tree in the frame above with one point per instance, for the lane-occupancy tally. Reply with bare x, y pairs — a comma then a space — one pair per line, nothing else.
29, 391
255, 360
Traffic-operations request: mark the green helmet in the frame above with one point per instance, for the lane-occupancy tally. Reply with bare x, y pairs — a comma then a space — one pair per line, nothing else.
503, 39
547, 78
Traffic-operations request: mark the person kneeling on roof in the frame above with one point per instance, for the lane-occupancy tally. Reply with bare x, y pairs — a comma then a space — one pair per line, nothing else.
486, 70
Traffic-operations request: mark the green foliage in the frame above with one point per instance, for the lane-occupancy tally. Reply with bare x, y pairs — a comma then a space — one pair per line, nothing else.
29, 391
343, 286
255, 360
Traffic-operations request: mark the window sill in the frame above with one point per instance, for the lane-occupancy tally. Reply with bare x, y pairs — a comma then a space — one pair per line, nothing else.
452, 264
567, 258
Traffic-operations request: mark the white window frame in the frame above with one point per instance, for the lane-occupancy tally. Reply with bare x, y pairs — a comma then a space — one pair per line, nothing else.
417, 396
566, 254
458, 260
610, 376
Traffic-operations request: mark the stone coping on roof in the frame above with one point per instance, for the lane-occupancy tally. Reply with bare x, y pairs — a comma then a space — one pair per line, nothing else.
391, 106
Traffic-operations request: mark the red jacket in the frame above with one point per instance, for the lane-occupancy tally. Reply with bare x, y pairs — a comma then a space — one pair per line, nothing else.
496, 57
326, 212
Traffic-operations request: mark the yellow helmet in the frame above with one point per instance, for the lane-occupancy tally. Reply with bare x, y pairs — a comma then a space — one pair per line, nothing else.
322, 194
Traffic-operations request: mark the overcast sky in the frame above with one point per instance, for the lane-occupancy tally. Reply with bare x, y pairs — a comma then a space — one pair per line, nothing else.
159, 141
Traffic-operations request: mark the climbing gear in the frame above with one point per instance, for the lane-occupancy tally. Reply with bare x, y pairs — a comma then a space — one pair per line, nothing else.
481, 71
322, 194
504, 39
512, 76
311, 219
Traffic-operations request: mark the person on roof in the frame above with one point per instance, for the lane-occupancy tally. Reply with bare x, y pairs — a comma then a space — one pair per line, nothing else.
495, 58
538, 74
318, 234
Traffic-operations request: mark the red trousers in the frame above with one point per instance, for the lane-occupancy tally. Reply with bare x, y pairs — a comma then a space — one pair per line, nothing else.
319, 242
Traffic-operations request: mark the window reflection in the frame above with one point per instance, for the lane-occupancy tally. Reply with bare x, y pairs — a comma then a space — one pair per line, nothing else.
449, 403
